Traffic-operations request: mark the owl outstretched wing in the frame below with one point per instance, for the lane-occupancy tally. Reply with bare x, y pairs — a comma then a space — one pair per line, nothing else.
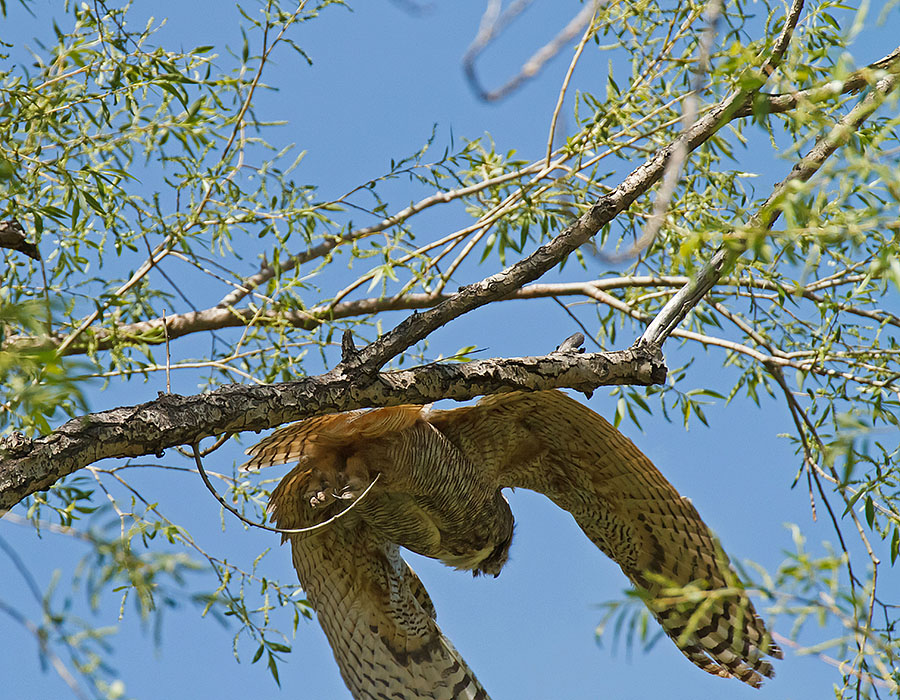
287, 443
548, 442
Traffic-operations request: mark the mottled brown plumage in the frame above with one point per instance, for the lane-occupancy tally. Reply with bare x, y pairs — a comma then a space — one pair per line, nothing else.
438, 494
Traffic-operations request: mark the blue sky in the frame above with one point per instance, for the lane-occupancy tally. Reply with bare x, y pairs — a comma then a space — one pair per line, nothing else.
381, 78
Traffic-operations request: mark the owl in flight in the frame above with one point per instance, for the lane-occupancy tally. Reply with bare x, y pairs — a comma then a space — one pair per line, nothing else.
438, 493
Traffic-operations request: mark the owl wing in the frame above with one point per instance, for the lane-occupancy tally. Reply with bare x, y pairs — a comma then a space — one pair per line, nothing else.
550, 443
287, 443
373, 608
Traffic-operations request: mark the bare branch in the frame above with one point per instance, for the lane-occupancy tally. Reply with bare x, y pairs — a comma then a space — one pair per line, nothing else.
492, 25
29, 466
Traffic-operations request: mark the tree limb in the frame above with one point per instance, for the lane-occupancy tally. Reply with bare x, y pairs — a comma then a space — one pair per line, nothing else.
151, 331
28, 466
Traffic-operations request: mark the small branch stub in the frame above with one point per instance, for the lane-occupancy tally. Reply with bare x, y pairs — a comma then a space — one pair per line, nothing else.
348, 347
12, 237
574, 343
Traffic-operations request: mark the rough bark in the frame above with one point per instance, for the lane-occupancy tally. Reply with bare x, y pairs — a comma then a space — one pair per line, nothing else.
28, 466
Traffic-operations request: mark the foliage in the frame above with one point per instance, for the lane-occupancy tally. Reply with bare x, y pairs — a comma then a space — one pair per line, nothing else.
145, 174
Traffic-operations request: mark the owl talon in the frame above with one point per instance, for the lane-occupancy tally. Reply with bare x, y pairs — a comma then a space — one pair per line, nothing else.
355, 481
333, 478
319, 498
350, 488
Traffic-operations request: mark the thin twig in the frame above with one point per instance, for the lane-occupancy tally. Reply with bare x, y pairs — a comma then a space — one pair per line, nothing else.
291, 531
168, 354
672, 175
565, 85
492, 25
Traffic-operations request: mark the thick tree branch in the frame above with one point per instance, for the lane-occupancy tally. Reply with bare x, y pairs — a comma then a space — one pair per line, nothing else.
639, 181
28, 466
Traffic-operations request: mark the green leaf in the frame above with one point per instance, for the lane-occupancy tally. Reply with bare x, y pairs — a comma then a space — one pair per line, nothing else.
895, 544
95, 205
852, 501
702, 416
621, 407
831, 20
273, 668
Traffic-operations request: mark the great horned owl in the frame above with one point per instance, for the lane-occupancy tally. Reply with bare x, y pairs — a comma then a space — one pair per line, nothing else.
440, 475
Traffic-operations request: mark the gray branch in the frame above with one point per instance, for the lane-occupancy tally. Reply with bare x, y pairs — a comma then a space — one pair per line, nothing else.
28, 466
